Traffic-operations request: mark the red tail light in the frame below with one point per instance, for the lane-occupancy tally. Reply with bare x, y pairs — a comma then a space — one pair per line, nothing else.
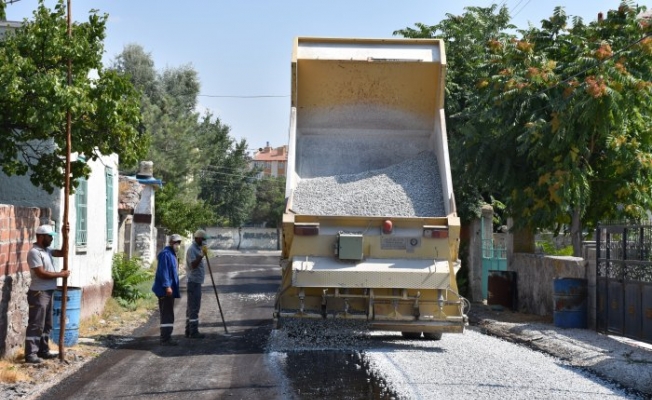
388, 227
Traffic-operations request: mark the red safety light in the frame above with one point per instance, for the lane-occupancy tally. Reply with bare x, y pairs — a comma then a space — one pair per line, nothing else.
388, 227
435, 232
306, 229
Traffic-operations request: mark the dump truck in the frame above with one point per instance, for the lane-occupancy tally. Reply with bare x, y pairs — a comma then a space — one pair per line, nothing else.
370, 230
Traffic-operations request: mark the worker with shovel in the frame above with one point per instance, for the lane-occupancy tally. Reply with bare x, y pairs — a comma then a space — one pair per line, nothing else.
195, 272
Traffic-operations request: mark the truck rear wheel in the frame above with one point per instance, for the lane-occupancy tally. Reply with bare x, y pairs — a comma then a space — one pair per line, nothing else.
411, 335
432, 335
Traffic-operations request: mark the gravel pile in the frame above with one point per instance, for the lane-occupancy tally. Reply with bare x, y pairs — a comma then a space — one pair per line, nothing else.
476, 366
319, 334
409, 189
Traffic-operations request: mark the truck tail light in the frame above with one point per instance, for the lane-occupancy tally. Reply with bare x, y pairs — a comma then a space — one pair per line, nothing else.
306, 229
388, 227
435, 231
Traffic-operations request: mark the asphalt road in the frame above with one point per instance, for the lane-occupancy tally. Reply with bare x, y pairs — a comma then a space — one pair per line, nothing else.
220, 366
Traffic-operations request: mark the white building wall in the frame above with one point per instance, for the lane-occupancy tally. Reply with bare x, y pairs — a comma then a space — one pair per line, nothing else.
91, 265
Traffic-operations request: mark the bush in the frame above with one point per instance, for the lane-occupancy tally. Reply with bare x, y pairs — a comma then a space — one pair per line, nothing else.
549, 248
128, 276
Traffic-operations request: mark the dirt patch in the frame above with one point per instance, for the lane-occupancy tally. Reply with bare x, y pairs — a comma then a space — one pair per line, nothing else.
96, 335
480, 314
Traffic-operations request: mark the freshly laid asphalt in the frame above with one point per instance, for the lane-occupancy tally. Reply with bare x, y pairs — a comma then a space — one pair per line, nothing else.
220, 366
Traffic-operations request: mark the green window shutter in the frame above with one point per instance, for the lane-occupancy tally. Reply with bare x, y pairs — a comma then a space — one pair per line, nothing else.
108, 174
81, 206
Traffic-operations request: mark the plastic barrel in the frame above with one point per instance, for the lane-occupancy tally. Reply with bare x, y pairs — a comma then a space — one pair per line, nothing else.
570, 298
73, 310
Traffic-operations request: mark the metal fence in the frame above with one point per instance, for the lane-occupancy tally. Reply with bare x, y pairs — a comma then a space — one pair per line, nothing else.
624, 279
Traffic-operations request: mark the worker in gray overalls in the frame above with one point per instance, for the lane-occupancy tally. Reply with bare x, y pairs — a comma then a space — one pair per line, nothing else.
195, 272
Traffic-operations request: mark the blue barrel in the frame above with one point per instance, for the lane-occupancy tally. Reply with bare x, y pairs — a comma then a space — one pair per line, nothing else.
570, 302
73, 310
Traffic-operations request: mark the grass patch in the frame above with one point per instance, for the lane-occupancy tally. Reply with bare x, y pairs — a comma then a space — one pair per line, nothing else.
549, 248
10, 371
116, 315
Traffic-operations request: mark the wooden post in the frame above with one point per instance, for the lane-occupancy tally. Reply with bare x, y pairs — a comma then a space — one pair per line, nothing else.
66, 206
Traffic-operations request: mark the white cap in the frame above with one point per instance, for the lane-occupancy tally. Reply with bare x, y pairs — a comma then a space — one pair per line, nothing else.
175, 238
200, 234
45, 230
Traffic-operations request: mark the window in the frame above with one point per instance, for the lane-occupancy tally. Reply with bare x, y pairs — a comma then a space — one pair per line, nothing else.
108, 175
81, 206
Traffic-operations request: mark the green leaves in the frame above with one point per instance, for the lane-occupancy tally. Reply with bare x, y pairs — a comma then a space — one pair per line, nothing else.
128, 275
34, 69
570, 114
179, 215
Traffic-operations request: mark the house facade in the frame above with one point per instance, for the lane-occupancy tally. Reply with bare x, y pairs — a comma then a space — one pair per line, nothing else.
93, 221
271, 161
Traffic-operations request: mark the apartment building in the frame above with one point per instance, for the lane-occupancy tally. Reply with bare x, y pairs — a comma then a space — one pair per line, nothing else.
271, 161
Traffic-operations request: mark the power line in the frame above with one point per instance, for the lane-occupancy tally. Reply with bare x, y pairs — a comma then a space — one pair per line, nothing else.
522, 8
517, 4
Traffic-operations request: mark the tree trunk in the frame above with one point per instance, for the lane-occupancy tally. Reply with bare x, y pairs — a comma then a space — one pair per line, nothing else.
576, 232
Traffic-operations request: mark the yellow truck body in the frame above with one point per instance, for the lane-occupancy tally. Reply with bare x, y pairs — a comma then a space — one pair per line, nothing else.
361, 106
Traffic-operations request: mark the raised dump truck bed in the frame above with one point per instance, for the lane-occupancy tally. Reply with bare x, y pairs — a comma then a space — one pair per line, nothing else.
370, 229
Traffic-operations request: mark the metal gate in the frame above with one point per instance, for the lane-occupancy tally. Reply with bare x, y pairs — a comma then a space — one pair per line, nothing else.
624, 280
494, 258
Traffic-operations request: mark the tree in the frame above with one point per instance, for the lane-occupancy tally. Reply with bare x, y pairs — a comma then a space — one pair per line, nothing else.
35, 98
178, 215
169, 117
140, 66
465, 37
270, 202
227, 184
192, 152
566, 115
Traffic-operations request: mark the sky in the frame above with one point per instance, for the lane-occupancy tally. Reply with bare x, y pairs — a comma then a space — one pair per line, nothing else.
241, 49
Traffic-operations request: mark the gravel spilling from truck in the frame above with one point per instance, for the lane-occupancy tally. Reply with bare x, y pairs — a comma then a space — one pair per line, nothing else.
326, 334
411, 188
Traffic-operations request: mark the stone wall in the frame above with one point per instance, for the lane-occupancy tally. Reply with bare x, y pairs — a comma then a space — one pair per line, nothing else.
534, 281
17, 230
243, 239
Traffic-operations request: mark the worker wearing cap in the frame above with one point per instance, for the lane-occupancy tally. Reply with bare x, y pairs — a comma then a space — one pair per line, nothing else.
195, 271
39, 296
166, 287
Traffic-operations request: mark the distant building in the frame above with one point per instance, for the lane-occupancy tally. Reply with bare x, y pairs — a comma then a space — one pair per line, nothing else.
271, 161
6, 26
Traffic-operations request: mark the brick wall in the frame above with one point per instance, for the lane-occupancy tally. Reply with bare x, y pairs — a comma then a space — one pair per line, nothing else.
17, 231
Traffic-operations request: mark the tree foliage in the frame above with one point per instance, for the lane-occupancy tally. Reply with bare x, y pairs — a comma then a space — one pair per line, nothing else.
270, 202
566, 116
168, 103
36, 97
465, 37
195, 154
179, 215
227, 184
